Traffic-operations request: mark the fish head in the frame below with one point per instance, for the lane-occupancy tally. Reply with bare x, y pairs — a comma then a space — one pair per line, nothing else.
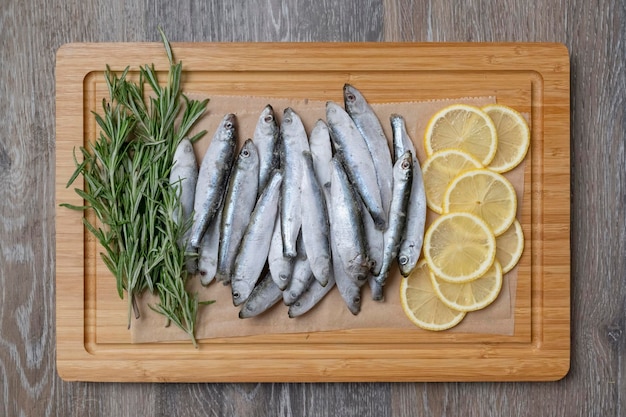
248, 310
267, 115
267, 121
227, 127
184, 155
332, 109
248, 156
353, 299
353, 99
404, 166
288, 116
241, 290
405, 260
185, 148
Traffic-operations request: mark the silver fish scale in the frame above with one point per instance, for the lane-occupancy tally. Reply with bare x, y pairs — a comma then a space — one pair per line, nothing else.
254, 247
372, 131
238, 205
213, 177
402, 179
413, 237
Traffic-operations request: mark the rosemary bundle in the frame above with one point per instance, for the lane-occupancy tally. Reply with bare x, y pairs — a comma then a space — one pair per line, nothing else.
126, 172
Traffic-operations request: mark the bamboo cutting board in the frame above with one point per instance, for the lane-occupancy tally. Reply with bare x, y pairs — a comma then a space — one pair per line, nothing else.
93, 343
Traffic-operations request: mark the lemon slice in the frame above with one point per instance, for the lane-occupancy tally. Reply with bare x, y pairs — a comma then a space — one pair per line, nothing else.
421, 304
513, 137
471, 296
464, 127
440, 169
459, 247
484, 193
509, 246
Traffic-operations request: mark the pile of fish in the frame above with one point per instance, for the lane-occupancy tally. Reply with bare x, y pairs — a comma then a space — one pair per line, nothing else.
293, 215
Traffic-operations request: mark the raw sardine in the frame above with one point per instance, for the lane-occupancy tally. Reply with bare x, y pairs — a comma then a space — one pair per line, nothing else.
315, 223
413, 237
309, 299
402, 178
294, 141
349, 289
183, 177
255, 242
322, 153
359, 165
213, 177
266, 135
208, 251
346, 227
281, 266
372, 131
263, 296
301, 277
238, 205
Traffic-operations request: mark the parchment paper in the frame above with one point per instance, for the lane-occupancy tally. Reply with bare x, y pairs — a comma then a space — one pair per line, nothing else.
221, 318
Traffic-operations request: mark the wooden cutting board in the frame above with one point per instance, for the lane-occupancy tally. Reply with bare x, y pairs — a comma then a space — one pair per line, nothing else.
93, 343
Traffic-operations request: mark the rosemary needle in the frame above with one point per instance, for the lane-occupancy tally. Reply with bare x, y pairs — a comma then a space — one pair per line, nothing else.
126, 172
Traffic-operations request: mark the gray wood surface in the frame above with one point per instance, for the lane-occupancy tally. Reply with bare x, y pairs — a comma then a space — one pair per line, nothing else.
594, 32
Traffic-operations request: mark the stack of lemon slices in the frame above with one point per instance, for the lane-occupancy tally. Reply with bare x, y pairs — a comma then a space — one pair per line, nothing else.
477, 238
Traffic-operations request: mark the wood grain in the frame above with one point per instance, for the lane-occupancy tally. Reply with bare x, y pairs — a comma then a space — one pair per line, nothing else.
595, 35
539, 347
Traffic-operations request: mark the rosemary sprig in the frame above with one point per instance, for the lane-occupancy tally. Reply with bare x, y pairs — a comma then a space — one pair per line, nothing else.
126, 172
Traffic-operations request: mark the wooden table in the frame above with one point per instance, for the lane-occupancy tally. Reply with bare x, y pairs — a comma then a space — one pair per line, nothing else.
596, 39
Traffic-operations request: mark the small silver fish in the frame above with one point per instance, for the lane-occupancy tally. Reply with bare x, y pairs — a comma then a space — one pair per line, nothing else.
413, 237
209, 250
346, 226
264, 295
255, 242
266, 139
281, 266
213, 177
311, 297
183, 177
368, 124
349, 289
238, 205
322, 153
402, 179
294, 141
357, 159
315, 223
301, 277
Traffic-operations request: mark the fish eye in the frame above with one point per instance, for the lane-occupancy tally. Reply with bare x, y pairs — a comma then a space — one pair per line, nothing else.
283, 277
403, 260
357, 300
350, 97
297, 304
268, 119
287, 119
235, 294
203, 273
245, 153
405, 165
249, 307
228, 125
